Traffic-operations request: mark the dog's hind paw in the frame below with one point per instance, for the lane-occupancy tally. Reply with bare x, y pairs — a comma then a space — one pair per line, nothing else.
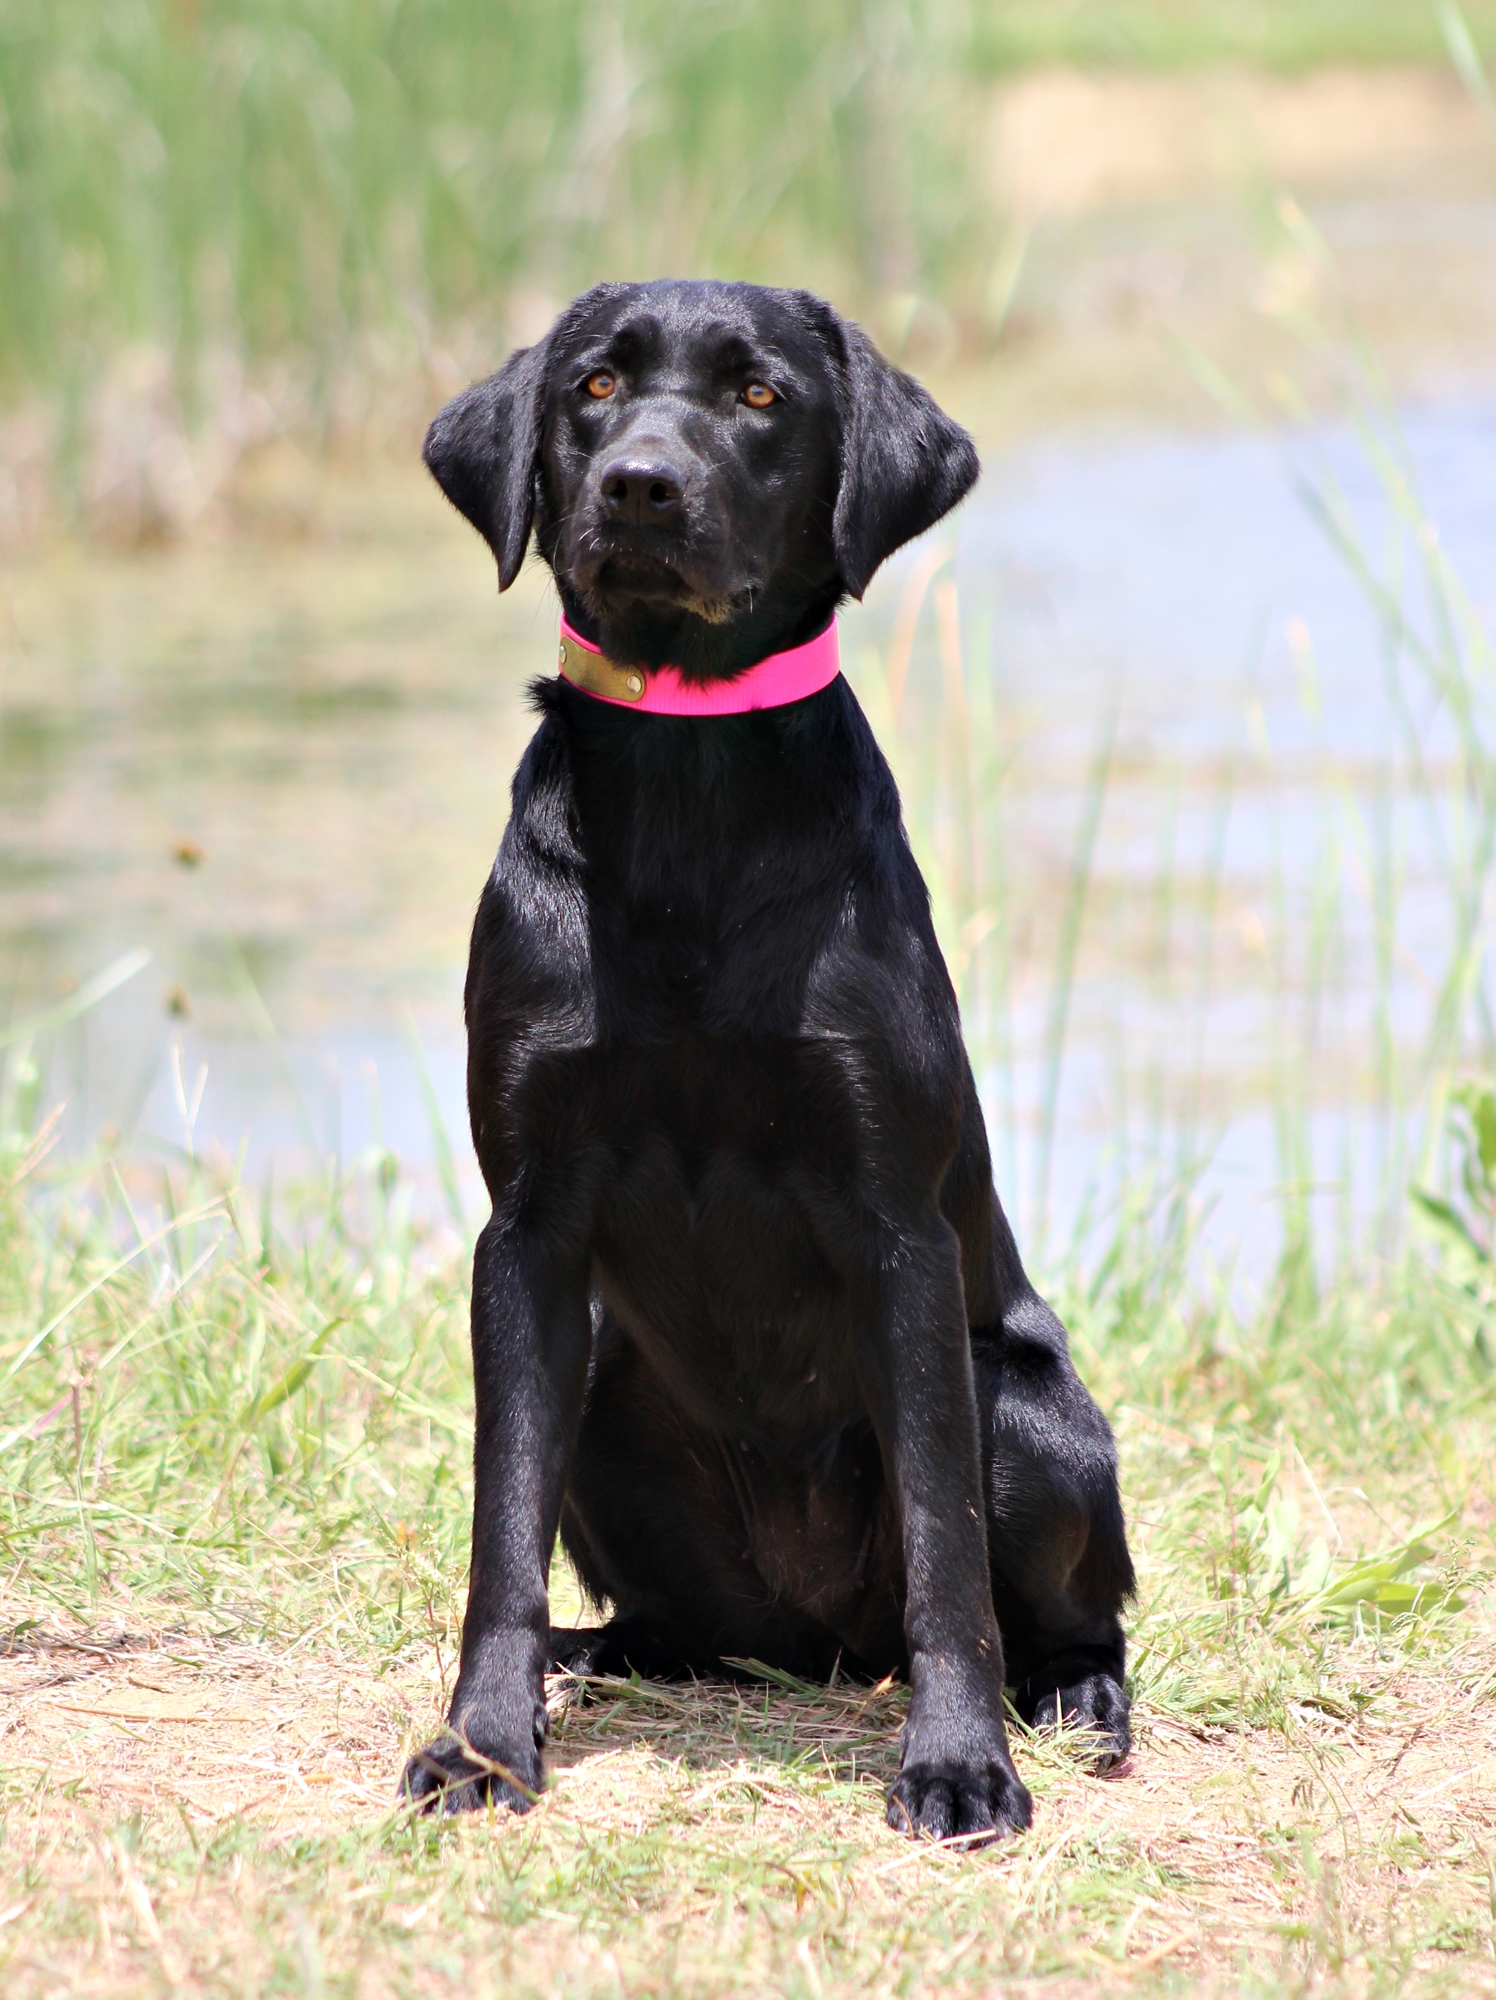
450, 1776
1097, 1706
577, 1650
954, 1801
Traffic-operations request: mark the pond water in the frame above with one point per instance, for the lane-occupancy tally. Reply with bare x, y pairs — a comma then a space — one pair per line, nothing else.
1268, 915
279, 764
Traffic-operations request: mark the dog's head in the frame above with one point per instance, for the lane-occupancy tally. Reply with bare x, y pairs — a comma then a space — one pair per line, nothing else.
708, 468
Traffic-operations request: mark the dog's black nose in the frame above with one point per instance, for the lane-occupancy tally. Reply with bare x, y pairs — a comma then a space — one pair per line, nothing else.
641, 491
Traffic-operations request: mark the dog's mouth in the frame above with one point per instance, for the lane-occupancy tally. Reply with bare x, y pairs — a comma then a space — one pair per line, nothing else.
614, 571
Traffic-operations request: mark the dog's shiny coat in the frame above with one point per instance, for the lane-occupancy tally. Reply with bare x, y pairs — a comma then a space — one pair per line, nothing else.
749, 1323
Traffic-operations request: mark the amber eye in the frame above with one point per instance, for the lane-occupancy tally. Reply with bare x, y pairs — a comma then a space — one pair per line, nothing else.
758, 396
601, 385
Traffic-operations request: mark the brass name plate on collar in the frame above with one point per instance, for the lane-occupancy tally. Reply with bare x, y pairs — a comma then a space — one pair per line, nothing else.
599, 675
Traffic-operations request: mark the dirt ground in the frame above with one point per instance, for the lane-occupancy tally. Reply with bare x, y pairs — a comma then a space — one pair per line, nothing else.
162, 1790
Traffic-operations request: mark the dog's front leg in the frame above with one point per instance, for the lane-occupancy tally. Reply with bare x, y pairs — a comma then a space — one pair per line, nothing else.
956, 1776
531, 1338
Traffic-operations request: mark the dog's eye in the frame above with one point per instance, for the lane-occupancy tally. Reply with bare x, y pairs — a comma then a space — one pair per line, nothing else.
758, 395
601, 385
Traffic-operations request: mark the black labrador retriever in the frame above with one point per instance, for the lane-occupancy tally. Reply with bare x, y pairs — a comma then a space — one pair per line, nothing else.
749, 1324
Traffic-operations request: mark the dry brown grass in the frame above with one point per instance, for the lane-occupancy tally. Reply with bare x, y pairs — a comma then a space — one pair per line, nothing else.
193, 1814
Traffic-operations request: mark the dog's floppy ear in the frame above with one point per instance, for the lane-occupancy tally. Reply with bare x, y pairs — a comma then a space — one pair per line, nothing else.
483, 449
904, 462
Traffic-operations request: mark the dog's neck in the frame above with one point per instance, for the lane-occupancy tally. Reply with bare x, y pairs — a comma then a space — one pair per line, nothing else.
657, 635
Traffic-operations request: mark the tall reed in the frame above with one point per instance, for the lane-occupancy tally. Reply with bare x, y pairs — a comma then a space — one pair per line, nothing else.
324, 182
334, 187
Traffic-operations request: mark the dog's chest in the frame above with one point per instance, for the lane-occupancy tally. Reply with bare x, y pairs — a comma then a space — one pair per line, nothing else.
728, 1173
708, 1137
731, 960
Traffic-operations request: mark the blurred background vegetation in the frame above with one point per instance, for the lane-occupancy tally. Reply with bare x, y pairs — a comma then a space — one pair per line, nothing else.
254, 212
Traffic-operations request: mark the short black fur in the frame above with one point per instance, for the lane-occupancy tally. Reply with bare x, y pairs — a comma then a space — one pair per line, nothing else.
749, 1324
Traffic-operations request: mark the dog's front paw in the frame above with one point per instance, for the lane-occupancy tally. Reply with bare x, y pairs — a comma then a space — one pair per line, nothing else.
979, 1802
1096, 1705
452, 1776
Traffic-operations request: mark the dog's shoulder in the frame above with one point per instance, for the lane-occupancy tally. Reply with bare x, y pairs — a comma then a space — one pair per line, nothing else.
530, 935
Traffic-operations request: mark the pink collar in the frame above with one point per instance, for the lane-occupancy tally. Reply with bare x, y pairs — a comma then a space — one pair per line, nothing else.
781, 678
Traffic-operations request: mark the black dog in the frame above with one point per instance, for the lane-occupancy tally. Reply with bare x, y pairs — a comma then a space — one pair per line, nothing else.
749, 1324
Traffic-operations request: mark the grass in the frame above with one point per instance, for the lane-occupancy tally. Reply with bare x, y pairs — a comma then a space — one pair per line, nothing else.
234, 1516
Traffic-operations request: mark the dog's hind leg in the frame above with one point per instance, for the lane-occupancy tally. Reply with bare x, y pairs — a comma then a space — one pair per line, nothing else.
627, 1645
1055, 1535
1056, 1542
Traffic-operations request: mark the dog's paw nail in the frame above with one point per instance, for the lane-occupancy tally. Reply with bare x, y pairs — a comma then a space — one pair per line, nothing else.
1096, 1706
974, 1804
443, 1778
